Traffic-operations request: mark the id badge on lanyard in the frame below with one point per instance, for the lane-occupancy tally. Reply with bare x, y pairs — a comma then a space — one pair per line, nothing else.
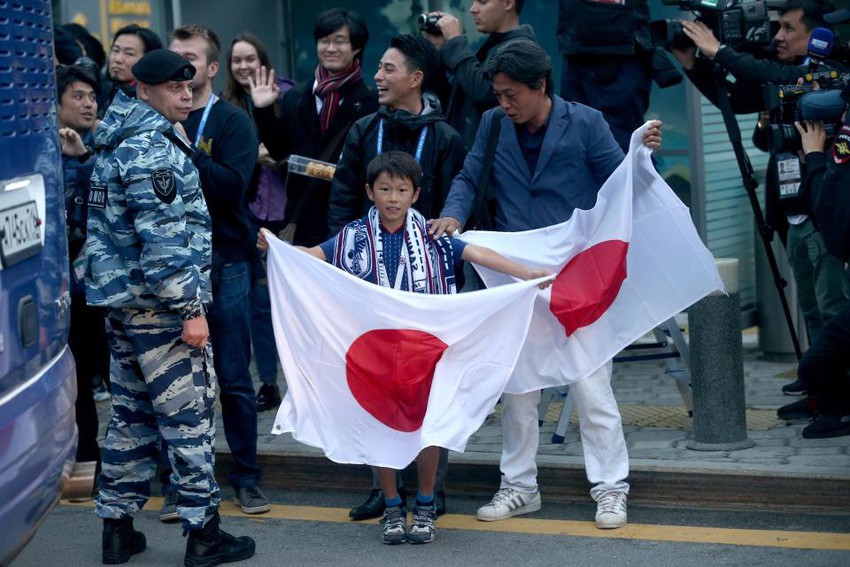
790, 175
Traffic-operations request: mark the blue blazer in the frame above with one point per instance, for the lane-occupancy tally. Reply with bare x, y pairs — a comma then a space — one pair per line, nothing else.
578, 154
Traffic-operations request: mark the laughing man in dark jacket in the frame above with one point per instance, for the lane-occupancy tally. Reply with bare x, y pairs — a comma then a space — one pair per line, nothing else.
409, 120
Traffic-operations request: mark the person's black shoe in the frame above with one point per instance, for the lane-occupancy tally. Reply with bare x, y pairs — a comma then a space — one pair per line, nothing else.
828, 425
440, 502
211, 546
120, 541
801, 409
268, 398
375, 505
795, 388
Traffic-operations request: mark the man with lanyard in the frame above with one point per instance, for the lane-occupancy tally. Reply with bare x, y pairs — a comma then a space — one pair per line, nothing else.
409, 120
822, 289
226, 149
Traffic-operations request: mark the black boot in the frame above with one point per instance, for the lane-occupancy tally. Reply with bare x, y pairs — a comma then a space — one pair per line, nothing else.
120, 541
212, 546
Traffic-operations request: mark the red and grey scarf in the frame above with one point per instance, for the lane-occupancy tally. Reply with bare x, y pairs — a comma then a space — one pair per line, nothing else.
328, 86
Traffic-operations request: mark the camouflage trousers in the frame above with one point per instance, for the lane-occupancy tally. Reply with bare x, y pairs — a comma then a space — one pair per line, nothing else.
161, 387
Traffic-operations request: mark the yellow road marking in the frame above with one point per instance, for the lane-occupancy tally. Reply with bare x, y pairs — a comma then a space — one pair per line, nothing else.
652, 532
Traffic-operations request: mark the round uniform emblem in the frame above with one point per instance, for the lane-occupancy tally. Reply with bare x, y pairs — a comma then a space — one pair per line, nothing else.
164, 185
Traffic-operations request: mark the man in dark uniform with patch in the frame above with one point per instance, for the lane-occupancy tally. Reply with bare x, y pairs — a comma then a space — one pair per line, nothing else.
148, 257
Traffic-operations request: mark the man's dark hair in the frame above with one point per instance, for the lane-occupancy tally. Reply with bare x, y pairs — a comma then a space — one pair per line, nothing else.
333, 19
519, 4
419, 55
395, 164
813, 12
523, 61
149, 38
189, 31
90, 44
69, 74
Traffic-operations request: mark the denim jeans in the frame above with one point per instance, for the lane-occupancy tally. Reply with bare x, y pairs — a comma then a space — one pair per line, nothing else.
262, 333
229, 321
821, 278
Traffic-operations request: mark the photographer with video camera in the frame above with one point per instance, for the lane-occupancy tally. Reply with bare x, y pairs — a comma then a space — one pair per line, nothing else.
471, 94
822, 289
824, 368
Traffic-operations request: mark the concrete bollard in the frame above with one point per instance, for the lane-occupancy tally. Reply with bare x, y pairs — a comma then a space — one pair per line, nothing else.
717, 367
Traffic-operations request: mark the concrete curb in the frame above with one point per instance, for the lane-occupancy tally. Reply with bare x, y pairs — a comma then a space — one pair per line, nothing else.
676, 485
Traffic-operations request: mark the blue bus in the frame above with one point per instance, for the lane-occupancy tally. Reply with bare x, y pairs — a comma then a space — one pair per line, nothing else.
38, 436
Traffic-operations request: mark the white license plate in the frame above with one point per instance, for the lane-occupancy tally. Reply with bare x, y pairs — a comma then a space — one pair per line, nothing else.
20, 236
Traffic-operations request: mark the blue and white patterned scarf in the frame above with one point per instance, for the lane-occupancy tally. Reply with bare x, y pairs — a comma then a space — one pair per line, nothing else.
426, 265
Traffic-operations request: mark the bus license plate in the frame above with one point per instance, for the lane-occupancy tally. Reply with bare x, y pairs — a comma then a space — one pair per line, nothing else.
20, 235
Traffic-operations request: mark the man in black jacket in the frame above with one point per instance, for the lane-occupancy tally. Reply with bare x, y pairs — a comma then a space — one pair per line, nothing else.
471, 94
409, 120
315, 117
607, 51
825, 366
226, 149
822, 287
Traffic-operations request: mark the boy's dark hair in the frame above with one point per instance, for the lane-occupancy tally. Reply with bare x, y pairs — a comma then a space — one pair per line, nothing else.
519, 4
68, 74
523, 61
189, 31
813, 12
394, 163
331, 20
419, 55
149, 38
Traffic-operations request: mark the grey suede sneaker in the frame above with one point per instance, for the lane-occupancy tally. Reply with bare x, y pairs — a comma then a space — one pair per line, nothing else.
252, 500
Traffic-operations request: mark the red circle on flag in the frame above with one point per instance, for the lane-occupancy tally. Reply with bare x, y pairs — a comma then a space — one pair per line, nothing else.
587, 286
389, 373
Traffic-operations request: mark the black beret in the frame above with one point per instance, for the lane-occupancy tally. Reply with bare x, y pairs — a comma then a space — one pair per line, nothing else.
161, 65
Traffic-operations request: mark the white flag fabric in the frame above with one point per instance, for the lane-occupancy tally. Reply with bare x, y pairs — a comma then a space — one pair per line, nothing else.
631, 262
374, 375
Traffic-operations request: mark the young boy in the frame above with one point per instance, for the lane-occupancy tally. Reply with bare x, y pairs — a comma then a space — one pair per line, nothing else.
390, 246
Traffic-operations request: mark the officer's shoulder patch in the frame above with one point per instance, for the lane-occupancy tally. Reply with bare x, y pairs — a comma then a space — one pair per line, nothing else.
164, 185
841, 146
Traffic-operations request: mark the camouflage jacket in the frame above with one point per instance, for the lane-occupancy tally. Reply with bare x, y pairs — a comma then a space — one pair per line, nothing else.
149, 236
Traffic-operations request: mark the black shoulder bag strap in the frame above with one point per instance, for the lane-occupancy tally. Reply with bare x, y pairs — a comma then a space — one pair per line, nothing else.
482, 213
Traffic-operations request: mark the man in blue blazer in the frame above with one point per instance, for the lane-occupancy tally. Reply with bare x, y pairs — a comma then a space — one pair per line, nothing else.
551, 157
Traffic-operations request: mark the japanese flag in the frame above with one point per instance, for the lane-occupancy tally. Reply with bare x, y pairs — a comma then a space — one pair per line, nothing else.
374, 375
631, 262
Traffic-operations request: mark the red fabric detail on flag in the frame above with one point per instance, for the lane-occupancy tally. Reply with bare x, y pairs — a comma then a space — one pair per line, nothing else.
587, 286
389, 372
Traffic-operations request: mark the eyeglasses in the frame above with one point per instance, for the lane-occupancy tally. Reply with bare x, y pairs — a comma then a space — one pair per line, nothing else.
336, 42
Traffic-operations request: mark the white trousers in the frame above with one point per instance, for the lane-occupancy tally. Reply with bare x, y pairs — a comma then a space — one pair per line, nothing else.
606, 458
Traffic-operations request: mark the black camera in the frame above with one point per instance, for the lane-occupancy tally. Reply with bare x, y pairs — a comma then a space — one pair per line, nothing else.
793, 103
736, 23
428, 24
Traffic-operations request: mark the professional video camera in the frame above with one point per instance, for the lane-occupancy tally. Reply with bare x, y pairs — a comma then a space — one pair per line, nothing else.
799, 102
736, 23
796, 103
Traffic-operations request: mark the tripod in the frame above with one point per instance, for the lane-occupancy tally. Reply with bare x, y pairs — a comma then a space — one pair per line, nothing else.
750, 185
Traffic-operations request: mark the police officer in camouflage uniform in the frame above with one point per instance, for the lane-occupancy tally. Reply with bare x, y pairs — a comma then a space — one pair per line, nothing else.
148, 259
